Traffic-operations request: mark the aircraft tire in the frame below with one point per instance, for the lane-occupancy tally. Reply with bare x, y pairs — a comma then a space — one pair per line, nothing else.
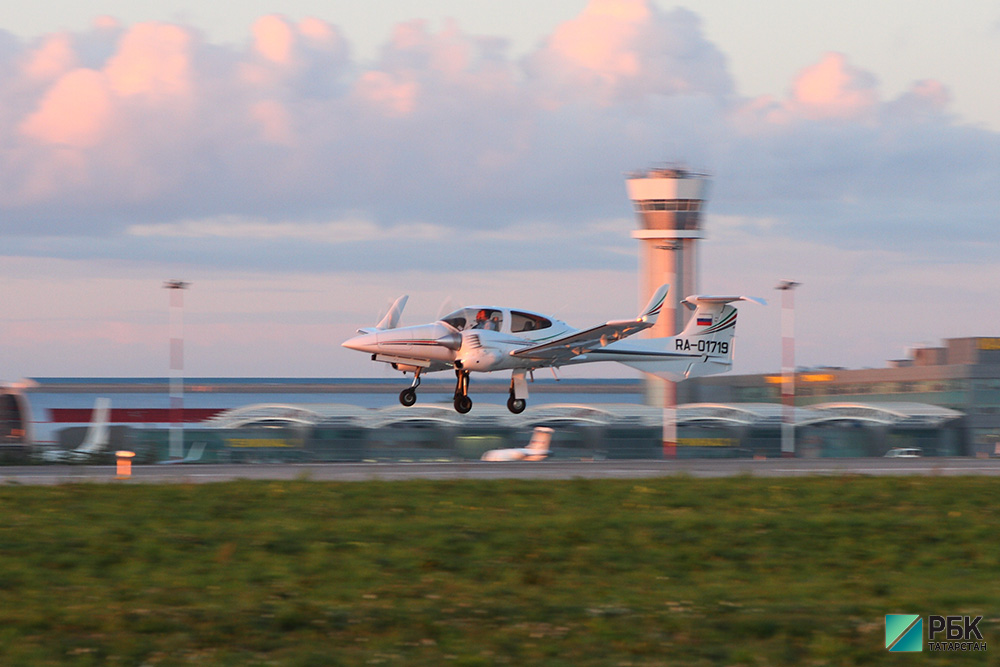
516, 405
463, 404
408, 397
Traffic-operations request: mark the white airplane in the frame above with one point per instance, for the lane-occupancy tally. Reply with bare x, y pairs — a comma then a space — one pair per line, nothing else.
487, 338
94, 440
537, 449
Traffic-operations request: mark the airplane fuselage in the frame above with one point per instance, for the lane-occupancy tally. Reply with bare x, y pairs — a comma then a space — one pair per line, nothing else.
462, 342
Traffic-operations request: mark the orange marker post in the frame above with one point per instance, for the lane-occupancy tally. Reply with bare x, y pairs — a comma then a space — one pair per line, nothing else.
124, 463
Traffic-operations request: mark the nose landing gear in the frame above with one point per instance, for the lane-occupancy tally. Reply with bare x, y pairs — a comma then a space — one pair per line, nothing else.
409, 396
462, 401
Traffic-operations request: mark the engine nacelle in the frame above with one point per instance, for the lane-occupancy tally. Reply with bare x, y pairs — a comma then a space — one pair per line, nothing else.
477, 354
406, 368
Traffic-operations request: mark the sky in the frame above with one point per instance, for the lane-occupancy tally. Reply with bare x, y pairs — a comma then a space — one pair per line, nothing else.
304, 163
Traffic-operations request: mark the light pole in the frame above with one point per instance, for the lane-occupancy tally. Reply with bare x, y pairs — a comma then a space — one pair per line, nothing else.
787, 288
176, 288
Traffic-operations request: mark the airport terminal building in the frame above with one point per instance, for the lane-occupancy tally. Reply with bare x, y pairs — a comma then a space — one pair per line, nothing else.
961, 376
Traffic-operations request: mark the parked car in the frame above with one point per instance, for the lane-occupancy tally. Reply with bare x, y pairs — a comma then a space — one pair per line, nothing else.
905, 452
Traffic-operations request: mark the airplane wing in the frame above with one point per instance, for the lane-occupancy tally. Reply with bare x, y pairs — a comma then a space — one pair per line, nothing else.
581, 342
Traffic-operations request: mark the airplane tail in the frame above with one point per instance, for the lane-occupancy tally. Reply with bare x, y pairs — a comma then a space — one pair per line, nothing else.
541, 437
96, 438
705, 347
391, 318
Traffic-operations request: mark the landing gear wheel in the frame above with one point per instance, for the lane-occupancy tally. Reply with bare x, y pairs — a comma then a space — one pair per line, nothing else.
516, 405
463, 404
408, 397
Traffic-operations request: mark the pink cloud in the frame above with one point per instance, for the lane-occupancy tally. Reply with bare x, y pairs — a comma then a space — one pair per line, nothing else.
274, 39
626, 49
832, 88
53, 58
380, 89
75, 112
153, 59
318, 32
602, 38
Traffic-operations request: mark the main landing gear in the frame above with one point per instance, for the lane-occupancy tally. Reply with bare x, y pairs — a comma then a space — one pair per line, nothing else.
462, 401
463, 404
516, 405
518, 388
409, 396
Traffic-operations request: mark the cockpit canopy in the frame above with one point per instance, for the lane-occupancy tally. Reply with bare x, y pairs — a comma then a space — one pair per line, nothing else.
492, 319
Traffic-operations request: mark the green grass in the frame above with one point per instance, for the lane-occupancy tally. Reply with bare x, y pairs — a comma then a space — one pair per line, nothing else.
740, 571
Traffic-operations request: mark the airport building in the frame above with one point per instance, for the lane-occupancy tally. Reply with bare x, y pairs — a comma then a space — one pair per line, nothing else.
961, 376
15, 424
731, 417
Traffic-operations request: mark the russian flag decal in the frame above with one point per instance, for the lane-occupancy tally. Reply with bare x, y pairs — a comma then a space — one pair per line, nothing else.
704, 321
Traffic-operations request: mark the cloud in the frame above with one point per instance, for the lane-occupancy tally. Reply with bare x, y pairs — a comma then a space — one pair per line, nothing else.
833, 89
332, 233
126, 134
154, 60
625, 49
54, 57
75, 112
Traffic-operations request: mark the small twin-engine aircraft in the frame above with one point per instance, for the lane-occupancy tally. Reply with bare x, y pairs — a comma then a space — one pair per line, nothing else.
487, 338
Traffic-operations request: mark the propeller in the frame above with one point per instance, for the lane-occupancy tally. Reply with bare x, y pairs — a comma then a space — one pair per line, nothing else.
447, 306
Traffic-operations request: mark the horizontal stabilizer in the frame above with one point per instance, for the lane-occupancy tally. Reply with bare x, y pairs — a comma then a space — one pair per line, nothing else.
692, 301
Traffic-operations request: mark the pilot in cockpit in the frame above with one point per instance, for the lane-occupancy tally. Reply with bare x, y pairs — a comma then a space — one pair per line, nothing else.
483, 321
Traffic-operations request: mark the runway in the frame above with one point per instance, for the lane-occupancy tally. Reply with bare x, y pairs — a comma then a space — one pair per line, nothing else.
542, 470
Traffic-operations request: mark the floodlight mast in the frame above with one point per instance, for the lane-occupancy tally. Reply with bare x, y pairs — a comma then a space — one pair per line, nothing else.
668, 202
176, 288
787, 289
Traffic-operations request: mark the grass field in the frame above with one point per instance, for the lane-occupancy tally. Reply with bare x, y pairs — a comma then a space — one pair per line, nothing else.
673, 571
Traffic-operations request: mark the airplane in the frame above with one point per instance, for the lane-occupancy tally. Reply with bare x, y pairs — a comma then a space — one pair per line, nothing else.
537, 449
94, 440
489, 338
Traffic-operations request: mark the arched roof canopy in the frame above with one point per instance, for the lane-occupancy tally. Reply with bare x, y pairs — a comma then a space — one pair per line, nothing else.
736, 414
886, 414
277, 414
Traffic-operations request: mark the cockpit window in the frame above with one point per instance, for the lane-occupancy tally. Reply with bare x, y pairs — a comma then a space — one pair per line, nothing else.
520, 322
489, 319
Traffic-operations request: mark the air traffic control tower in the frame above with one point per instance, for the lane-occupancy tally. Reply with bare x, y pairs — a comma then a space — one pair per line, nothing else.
668, 203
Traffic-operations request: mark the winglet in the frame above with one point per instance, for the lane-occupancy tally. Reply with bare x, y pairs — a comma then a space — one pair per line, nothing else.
391, 318
655, 305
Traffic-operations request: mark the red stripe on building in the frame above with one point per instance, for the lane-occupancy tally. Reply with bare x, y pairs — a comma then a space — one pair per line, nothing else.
131, 415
